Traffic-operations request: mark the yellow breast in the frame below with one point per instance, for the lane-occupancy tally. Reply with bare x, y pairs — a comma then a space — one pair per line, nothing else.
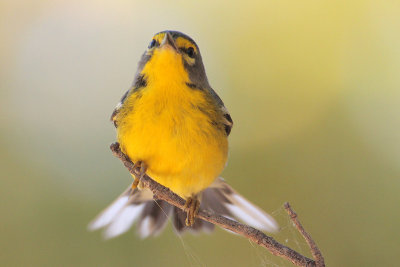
173, 129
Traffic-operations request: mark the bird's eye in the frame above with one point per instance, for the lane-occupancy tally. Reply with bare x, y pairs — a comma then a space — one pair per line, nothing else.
190, 52
152, 43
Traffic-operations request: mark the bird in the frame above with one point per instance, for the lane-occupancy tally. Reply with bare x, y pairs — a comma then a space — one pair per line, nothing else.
175, 129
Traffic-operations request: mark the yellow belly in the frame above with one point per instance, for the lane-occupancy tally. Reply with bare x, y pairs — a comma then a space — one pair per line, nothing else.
176, 136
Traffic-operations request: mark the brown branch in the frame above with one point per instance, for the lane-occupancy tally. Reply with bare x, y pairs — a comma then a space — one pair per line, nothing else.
163, 193
317, 255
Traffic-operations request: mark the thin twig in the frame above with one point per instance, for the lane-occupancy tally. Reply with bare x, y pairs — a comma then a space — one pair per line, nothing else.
317, 255
163, 193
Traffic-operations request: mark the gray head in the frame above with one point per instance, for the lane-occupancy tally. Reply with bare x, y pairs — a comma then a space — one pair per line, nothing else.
173, 53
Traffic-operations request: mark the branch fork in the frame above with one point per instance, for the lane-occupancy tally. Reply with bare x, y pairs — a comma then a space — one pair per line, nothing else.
258, 237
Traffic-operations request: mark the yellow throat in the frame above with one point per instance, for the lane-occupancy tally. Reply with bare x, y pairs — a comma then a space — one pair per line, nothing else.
172, 127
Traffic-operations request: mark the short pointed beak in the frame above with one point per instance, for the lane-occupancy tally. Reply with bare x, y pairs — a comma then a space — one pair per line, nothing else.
168, 41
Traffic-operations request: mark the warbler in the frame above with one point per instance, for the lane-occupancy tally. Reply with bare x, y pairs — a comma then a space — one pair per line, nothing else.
175, 128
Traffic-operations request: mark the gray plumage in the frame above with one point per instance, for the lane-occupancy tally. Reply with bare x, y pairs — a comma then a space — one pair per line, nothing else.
151, 216
197, 76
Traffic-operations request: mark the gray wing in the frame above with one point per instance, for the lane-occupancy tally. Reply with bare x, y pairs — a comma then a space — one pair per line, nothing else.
138, 83
118, 108
228, 122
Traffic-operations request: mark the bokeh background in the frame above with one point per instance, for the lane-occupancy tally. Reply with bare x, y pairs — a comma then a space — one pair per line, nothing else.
312, 86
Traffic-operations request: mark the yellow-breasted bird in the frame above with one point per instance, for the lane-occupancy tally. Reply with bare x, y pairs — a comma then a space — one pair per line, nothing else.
175, 128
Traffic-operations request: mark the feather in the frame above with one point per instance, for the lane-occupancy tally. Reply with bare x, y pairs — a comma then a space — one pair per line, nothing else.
123, 221
109, 214
152, 215
232, 204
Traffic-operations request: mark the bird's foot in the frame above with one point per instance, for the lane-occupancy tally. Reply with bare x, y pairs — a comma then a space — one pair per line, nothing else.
140, 170
191, 207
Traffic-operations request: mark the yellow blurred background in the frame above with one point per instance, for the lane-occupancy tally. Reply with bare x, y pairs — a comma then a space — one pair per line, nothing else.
313, 89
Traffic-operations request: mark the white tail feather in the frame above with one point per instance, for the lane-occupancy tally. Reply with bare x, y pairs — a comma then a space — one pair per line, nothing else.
244, 210
251, 214
107, 216
139, 205
145, 228
123, 221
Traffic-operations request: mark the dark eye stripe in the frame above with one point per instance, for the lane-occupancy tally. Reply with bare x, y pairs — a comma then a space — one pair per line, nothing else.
152, 44
189, 51
228, 118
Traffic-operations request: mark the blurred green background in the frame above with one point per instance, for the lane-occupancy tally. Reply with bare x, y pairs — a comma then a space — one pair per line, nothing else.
312, 86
